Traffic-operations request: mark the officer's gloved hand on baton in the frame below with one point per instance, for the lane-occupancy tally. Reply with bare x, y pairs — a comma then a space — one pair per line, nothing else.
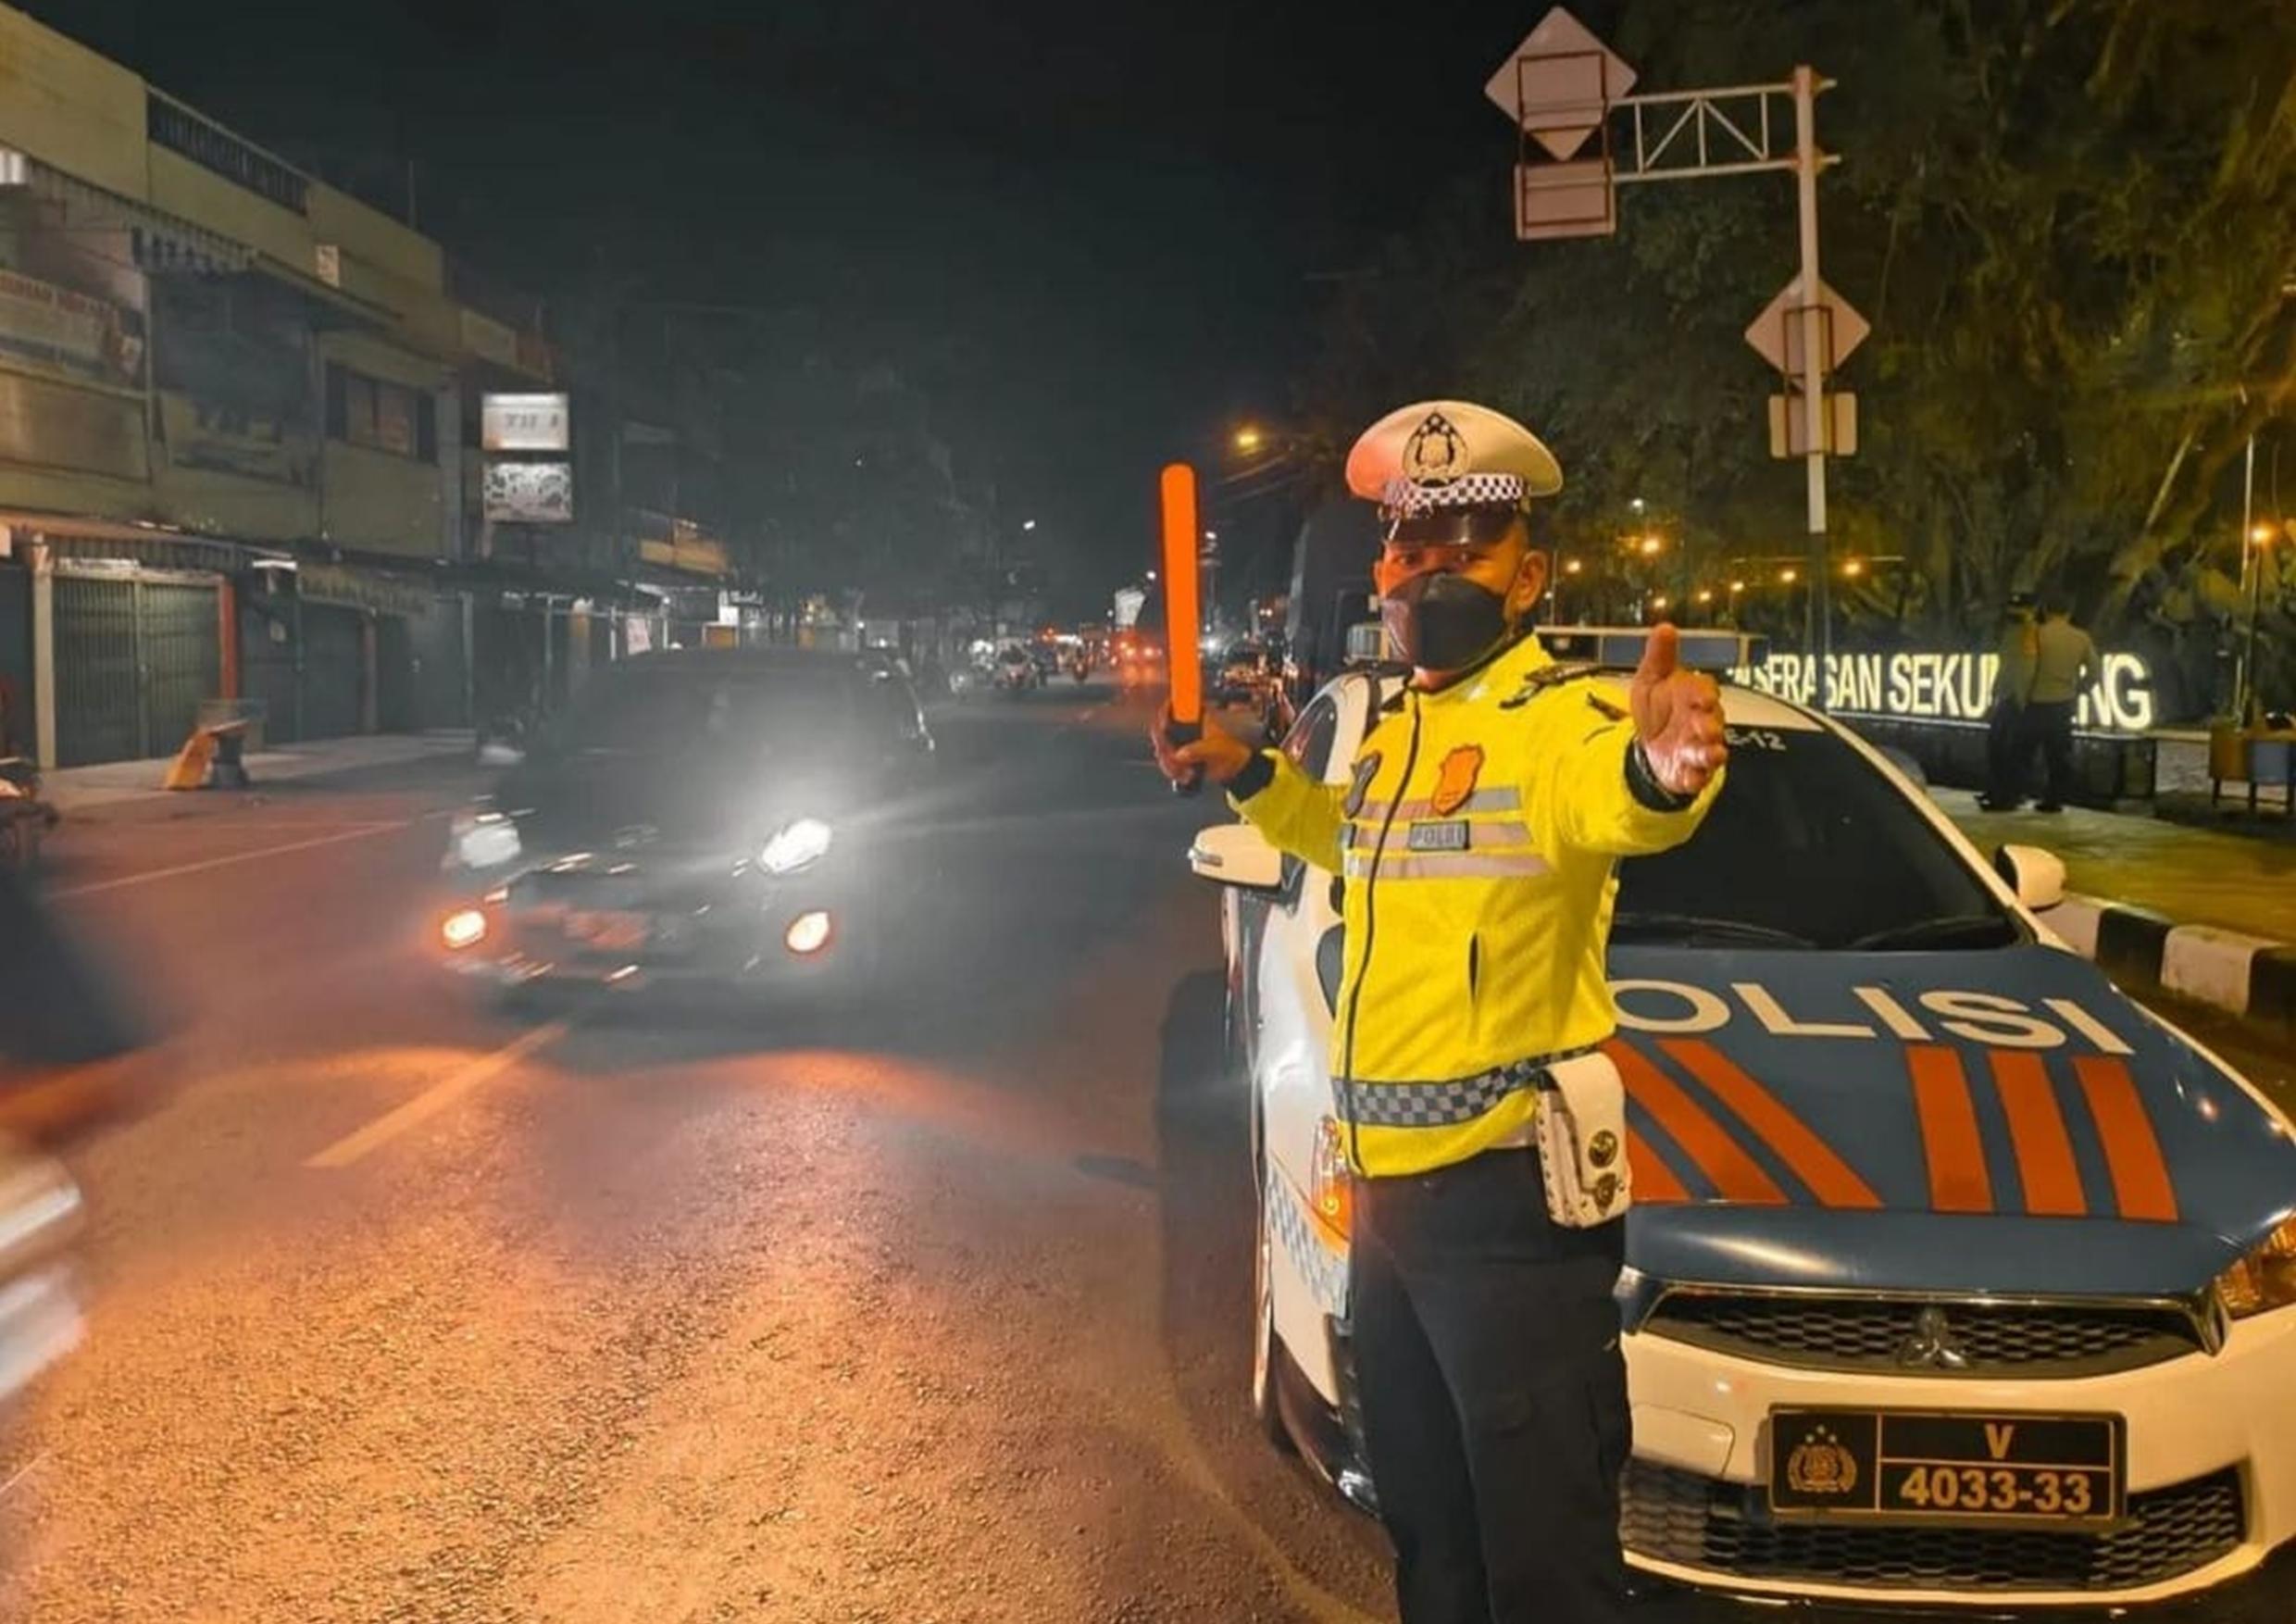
1216, 756
1677, 717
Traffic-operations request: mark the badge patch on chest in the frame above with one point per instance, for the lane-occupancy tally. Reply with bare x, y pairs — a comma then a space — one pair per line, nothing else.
1438, 837
1454, 781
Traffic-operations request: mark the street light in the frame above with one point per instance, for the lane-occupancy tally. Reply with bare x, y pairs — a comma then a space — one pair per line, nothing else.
1790, 576
1705, 594
1027, 524
1571, 566
1852, 568
1635, 505
1249, 438
1652, 545
2253, 566
1737, 587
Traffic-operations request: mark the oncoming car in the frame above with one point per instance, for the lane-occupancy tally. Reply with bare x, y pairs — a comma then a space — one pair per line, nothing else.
724, 817
1954, 1277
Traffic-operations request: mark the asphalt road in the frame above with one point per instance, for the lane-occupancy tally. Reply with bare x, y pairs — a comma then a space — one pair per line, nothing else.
404, 1309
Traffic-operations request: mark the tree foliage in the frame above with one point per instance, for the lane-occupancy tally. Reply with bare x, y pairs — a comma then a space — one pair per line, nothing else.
2072, 223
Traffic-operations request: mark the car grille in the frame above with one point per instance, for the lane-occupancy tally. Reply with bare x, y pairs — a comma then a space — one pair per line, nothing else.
1841, 1334
1698, 1522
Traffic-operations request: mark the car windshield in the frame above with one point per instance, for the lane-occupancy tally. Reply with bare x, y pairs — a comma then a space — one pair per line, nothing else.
1809, 846
668, 709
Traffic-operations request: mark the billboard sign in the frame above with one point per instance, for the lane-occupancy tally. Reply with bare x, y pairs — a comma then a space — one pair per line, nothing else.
523, 422
530, 493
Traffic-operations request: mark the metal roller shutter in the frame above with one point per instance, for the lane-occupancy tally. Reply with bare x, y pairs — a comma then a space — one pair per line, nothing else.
134, 659
332, 670
98, 709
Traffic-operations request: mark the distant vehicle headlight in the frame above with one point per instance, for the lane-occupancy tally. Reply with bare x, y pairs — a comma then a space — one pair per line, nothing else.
481, 840
2266, 1279
796, 844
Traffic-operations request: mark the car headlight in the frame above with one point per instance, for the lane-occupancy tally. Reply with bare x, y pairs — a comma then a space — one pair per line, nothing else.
795, 845
2266, 1279
481, 840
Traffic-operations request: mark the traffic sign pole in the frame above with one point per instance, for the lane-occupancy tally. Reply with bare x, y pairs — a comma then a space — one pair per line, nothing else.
1820, 612
1564, 83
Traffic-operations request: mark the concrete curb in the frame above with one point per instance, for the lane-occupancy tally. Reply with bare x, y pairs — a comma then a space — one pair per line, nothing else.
2247, 976
74, 789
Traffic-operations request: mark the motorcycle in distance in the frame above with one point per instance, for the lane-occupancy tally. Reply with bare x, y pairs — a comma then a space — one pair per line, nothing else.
1016, 671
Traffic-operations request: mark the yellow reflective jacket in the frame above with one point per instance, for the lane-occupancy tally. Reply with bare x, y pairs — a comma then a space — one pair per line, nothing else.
1479, 840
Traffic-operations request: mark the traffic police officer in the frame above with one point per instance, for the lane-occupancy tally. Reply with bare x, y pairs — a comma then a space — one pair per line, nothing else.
1478, 839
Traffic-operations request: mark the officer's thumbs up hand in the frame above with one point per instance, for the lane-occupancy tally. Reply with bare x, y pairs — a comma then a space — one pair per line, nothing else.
1217, 755
1678, 716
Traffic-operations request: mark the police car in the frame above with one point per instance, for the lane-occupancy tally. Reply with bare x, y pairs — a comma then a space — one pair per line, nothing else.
1955, 1277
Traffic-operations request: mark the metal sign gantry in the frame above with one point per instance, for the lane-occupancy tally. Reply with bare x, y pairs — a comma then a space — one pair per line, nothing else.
1562, 87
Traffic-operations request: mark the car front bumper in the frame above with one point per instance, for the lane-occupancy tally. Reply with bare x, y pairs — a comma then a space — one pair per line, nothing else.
550, 927
2211, 1482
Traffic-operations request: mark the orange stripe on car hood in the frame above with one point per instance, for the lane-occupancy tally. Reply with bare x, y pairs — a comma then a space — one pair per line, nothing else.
1831, 1180
1735, 1175
2132, 1152
1950, 1142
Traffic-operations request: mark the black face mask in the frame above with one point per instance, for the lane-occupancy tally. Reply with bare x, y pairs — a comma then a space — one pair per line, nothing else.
1441, 621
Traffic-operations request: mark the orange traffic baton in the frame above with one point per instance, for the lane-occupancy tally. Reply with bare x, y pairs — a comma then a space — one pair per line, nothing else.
1184, 662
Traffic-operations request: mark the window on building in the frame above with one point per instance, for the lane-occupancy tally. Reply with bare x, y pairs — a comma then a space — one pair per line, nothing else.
380, 414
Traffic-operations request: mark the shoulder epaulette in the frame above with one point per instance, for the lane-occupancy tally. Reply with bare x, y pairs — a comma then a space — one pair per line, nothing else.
1545, 678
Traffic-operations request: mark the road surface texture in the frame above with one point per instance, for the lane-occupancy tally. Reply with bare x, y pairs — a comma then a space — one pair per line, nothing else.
403, 1308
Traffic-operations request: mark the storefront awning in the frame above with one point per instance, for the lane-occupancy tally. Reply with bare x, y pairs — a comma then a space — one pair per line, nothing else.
154, 546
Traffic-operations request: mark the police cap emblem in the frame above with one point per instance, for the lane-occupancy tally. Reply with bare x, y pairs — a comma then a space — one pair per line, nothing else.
1436, 451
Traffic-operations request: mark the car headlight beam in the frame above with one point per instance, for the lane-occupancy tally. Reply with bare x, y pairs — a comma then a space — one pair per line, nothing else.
796, 844
2266, 1277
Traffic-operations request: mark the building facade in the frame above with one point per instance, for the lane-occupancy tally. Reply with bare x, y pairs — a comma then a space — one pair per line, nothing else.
240, 457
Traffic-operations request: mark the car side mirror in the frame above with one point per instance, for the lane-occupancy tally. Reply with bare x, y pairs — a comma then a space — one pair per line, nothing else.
2037, 876
1237, 854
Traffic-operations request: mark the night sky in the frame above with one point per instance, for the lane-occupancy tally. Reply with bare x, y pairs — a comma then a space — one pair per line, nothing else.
1099, 234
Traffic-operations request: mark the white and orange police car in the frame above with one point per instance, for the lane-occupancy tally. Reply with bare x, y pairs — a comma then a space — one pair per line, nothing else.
1955, 1277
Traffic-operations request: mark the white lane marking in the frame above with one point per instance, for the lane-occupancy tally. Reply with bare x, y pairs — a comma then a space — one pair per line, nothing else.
24, 1471
436, 1098
361, 832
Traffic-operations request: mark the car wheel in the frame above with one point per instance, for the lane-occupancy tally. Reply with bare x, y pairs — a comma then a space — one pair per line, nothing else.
1266, 1348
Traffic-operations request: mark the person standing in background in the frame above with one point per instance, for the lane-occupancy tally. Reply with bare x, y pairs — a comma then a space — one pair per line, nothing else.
2065, 667
2005, 724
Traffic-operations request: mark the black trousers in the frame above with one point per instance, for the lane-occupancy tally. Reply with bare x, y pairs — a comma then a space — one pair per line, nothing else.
2048, 728
2004, 751
1495, 1394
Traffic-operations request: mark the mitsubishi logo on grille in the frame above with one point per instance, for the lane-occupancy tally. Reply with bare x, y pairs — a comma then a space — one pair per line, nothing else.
1932, 1344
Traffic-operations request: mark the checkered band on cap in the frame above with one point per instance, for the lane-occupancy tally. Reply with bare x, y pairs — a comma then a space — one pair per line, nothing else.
1408, 495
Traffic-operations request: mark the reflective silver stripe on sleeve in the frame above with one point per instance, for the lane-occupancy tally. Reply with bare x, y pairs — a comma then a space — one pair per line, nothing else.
1447, 865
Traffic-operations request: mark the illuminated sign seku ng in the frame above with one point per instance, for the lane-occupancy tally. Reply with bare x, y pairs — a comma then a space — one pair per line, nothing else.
1945, 687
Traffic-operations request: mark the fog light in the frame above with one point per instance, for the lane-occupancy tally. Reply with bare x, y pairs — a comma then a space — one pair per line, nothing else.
808, 933
466, 928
